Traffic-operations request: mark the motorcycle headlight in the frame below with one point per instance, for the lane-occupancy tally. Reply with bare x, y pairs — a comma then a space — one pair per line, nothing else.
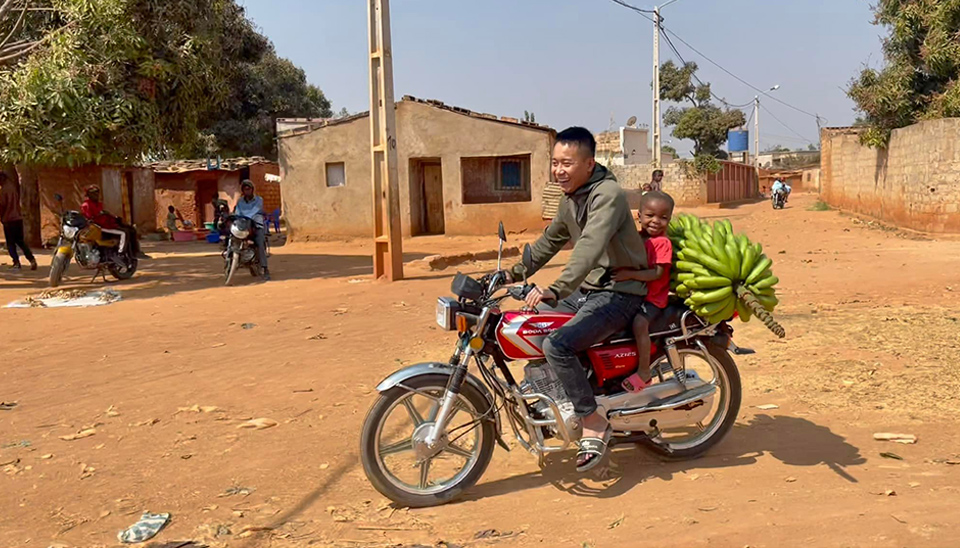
239, 232
70, 232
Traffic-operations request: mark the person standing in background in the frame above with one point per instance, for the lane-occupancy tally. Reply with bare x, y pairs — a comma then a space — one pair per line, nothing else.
12, 219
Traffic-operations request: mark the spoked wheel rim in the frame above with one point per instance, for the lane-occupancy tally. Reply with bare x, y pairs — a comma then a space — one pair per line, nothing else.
709, 372
405, 460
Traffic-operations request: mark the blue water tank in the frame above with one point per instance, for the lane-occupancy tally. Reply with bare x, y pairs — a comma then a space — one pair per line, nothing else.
738, 140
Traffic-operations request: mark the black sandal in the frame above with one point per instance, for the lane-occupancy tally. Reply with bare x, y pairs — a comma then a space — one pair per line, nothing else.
594, 449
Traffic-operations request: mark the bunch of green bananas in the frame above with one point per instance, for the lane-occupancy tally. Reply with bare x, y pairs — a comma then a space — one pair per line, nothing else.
718, 273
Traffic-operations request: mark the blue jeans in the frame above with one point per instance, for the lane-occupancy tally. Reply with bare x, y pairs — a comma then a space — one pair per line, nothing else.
599, 314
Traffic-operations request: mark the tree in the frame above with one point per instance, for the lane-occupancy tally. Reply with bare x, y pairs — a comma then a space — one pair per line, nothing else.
343, 113
921, 79
669, 150
112, 80
269, 89
703, 122
529, 117
812, 147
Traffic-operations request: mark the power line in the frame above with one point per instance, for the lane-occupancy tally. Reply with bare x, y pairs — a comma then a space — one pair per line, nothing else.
785, 125
642, 12
741, 80
697, 78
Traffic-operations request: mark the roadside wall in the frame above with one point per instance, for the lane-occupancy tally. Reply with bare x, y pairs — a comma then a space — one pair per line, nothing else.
685, 191
914, 182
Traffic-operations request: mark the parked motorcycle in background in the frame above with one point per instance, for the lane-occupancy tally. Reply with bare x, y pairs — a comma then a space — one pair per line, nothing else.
431, 433
240, 249
85, 241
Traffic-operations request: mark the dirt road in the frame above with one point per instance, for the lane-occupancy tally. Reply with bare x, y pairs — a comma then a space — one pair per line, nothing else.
873, 323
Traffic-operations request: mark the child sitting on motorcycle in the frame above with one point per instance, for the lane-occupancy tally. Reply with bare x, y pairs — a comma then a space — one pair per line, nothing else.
656, 209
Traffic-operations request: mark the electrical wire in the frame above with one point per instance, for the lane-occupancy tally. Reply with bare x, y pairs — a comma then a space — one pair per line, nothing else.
641, 11
767, 110
741, 80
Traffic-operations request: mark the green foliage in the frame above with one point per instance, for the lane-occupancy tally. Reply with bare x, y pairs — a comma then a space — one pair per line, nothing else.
700, 166
776, 148
703, 123
113, 81
262, 92
669, 150
820, 205
921, 79
529, 117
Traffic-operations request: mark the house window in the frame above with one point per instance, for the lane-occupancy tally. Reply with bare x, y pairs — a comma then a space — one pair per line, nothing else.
336, 174
495, 179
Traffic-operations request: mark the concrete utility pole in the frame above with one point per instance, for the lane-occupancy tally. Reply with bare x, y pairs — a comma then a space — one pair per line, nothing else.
657, 133
656, 88
388, 247
756, 135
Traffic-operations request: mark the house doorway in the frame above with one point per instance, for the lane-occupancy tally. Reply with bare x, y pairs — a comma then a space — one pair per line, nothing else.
426, 196
206, 192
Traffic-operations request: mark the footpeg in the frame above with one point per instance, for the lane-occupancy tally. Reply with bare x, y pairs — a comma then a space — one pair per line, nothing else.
738, 351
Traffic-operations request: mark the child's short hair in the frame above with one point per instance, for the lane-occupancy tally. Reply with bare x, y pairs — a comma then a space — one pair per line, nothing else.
171, 209
657, 196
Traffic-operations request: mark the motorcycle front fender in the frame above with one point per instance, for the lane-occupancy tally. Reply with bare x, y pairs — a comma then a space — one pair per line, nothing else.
66, 250
437, 368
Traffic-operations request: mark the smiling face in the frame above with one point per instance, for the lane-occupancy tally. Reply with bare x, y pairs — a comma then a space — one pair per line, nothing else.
572, 166
655, 215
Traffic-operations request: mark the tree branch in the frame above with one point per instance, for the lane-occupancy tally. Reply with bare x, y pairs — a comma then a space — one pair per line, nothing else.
6, 7
7, 57
16, 26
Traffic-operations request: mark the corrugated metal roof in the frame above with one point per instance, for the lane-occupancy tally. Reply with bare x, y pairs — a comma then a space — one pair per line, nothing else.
184, 166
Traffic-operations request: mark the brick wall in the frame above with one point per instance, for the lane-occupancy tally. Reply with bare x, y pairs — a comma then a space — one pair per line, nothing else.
684, 190
914, 182
269, 191
178, 190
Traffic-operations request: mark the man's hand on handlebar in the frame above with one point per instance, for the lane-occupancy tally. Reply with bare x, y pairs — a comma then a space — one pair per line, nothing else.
537, 295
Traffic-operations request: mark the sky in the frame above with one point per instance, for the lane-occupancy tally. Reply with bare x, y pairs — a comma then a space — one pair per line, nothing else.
587, 62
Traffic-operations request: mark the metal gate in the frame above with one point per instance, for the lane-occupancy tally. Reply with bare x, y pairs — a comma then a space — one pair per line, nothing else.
734, 182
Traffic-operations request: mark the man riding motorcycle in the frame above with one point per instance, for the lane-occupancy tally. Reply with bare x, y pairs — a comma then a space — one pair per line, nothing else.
780, 186
593, 213
93, 210
251, 206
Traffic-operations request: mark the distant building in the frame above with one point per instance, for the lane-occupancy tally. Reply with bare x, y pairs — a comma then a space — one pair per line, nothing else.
460, 172
626, 147
191, 185
791, 158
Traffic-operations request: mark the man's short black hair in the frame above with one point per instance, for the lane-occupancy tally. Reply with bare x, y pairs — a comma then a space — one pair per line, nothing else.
171, 208
658, 172
657, 196
581, 137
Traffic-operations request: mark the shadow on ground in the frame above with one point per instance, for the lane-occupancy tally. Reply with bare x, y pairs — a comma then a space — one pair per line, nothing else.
191, 267
793, 441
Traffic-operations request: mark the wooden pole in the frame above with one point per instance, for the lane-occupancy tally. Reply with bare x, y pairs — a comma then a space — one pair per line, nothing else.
388, 248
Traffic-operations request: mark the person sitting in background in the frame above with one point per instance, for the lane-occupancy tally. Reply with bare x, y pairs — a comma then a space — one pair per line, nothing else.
656, 182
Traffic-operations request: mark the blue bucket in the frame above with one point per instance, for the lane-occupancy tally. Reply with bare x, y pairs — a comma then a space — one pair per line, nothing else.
213, 238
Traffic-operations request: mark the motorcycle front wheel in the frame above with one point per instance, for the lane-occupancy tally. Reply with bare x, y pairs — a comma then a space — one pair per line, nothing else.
58, 266
395, 457
231, 267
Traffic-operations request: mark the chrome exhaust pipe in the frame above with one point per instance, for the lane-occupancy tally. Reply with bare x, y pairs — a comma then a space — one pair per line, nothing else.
671, 402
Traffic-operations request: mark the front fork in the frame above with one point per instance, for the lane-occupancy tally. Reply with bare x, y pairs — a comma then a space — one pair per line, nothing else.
460, 362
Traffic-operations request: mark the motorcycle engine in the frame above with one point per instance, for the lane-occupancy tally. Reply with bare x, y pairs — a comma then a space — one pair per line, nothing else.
247, 254
89, 255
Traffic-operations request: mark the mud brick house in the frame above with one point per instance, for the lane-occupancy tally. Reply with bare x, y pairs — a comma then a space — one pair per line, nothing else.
125, 191
190, 185
460, 172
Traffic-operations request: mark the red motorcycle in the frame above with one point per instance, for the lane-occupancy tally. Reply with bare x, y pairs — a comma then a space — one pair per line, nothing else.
430, 435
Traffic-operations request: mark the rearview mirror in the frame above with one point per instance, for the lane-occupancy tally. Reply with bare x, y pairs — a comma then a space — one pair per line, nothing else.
526, 261
58, 197
501, 233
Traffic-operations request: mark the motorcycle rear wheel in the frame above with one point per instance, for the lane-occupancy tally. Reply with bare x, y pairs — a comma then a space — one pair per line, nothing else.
475, 456
730, 393
121, 273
